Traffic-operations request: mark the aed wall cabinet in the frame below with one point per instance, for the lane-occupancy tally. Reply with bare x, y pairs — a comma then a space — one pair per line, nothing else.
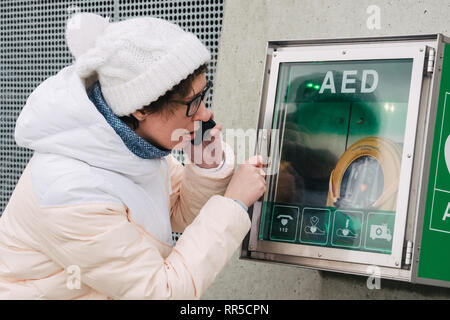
356, 136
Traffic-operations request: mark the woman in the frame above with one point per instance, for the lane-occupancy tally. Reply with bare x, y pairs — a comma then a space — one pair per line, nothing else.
93, 212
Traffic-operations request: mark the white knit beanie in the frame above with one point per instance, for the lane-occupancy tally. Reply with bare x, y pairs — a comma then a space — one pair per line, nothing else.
137, 60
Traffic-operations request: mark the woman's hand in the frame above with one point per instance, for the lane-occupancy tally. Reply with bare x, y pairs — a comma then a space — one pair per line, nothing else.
209, 153
248, 183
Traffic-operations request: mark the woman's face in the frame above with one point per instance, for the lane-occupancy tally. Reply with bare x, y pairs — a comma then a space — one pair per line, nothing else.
158, 128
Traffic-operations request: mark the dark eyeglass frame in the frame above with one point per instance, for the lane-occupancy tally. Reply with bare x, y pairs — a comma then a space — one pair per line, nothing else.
196, 101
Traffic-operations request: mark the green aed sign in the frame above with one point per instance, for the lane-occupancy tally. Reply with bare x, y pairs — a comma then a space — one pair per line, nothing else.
434, 260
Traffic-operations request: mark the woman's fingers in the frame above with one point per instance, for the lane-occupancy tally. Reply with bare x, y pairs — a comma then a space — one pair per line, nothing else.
217, 127
261, 172
257, 161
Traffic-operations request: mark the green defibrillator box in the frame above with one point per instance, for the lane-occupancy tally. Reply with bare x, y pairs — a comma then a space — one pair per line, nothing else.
356, 134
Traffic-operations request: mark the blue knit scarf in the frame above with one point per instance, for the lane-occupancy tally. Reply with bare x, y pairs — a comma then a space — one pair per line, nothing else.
134, 142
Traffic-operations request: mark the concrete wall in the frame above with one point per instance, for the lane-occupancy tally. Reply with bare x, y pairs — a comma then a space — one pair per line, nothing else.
247, 26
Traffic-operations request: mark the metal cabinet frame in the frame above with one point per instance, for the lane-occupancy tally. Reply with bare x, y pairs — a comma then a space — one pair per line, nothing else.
402, 263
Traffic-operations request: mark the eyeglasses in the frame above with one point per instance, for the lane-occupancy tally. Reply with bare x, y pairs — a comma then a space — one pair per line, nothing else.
194, 104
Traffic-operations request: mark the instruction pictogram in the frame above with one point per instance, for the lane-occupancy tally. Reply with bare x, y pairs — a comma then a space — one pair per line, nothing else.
284, 223
347, 228
346, 232
313, 228
315, 225
380, 231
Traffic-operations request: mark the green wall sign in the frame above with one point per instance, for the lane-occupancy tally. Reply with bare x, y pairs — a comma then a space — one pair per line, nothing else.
434, 260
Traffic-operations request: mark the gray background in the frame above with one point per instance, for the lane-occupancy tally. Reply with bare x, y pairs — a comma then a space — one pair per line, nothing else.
246, 28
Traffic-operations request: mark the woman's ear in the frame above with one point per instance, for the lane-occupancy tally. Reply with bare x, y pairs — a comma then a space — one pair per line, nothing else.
140, 115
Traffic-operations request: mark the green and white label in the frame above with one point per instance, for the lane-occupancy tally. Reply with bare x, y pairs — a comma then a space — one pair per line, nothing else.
347, 228
440, 206
284, 223
315, 225
380, 231
434, 259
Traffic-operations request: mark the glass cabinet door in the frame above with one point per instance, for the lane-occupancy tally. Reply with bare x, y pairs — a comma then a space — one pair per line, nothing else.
343, 128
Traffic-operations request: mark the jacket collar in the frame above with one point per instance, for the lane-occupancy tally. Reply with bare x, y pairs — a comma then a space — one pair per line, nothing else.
136, 144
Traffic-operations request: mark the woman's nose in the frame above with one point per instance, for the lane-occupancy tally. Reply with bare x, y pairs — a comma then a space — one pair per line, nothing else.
203, 113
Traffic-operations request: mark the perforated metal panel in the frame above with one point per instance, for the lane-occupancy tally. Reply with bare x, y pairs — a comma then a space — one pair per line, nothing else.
33, 48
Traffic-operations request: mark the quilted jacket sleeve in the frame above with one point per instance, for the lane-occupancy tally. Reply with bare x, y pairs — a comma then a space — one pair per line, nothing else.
117, 259
192, 187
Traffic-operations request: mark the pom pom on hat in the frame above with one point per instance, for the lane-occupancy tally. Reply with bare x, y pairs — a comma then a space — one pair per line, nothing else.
82, 31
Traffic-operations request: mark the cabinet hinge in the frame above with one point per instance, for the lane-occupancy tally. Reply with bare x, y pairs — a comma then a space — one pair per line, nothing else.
431, 59
408, 254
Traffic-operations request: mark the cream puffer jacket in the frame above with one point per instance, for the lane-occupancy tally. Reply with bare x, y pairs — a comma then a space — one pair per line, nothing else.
90, 220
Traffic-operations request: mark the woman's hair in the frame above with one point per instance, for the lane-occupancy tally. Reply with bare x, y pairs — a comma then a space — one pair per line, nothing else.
163, 104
